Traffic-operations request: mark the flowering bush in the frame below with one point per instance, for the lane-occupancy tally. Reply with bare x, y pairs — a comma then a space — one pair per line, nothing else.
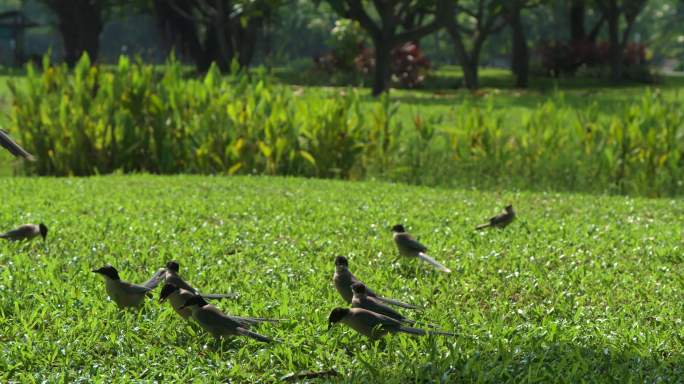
560, 57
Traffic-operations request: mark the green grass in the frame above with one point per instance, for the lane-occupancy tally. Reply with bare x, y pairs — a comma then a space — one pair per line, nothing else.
581, 288
442, 94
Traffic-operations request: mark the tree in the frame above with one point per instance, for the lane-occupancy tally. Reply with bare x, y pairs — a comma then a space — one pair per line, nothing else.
613, 10
397, 22
577, 10
476, 19
80, 24
214, 30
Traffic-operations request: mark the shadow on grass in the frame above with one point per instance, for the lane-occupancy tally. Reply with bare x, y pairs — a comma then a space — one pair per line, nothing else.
541, 362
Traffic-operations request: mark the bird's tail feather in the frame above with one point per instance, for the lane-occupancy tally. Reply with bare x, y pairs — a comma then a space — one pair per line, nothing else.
155, 279
253, 335
422, 332
483, 226
219, 296
440, 333
434, 262
13, 147
397, 303
256, 320
413, 331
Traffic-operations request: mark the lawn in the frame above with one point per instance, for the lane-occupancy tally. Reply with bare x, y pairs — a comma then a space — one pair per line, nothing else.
580, 288
441, 94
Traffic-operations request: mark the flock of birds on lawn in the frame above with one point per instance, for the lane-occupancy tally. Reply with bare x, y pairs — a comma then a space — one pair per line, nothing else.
369, 315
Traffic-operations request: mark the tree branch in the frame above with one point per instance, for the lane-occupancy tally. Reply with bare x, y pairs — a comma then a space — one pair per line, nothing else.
417, 33
357, 13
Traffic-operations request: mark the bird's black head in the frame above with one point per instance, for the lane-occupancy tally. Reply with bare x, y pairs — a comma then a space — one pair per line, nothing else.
336, 315
358, 288
509, 208
341, 260
167, 290
398, 228
195, 300
108, 271
173, 266
43, 230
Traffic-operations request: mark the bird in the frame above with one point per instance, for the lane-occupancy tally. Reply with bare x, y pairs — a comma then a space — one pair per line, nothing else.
26, 232
501, 220
171, 276
343, 280
217, 323
123, 293
14, 148
408, 246
362, 300
178, 296
374, 325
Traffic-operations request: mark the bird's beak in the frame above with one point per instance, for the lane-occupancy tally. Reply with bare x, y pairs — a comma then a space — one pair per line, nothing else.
95, 271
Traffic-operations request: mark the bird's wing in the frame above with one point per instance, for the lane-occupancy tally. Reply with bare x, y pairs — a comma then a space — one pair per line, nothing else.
377, 306
14, 148
155, 279
130, 288
19, 233
253, 335
215, 316
376, 319
433, 262
408, 242
178, 281
498, 219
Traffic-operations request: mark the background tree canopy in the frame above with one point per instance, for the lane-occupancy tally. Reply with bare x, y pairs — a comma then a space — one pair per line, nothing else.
557, 37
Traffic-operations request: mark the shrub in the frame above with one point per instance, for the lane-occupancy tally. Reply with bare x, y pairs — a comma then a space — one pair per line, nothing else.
561, 58
409, 65
137, 117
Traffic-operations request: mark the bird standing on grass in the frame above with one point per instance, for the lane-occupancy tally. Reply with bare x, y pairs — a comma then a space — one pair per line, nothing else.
218, 323
374, 325
179, 296
26, 232
408, 246
343, 280
123, 293
501, 220
362, 300
14, 148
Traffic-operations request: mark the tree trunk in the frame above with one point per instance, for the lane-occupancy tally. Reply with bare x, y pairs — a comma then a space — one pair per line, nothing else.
519, 54
577, 12
383, 63
470, 74
246, 43
615, 50
179, 31
80, 24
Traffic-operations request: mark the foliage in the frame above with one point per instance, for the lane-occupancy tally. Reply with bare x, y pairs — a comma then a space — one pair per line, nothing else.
409, 65
139, 118
346, 40
351, 56
565, 58
637, 150
133, 118
581, 288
